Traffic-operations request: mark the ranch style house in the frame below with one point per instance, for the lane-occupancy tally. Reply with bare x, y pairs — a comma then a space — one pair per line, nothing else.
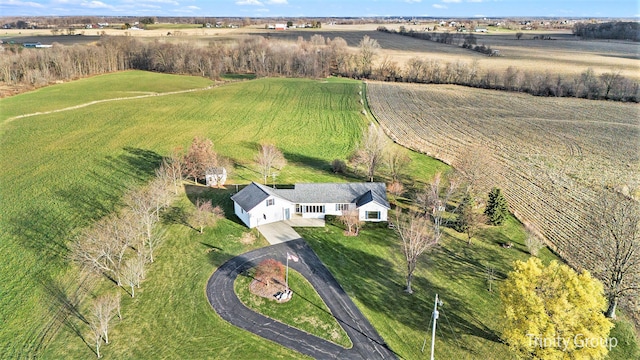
258, 204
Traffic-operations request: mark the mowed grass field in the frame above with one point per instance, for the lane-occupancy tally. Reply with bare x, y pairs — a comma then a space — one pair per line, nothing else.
63, 170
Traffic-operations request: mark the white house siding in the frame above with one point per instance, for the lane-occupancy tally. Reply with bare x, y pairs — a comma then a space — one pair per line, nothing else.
330, 209
372, 206
262, 214
244, 216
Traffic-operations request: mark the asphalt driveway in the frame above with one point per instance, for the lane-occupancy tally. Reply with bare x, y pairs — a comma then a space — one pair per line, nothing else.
367, 344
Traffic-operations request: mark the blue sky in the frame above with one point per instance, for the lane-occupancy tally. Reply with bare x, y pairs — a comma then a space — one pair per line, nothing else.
324, 8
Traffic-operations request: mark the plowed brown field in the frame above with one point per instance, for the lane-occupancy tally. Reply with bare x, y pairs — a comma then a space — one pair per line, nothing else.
548, 154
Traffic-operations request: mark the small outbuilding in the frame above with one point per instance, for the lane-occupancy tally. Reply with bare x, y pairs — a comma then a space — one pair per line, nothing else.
216, 176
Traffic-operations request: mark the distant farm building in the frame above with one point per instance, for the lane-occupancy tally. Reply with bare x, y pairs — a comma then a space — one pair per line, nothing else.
36, 45
281, 26
481, 29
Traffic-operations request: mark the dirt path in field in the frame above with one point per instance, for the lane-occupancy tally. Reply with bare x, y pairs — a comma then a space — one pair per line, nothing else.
106, 100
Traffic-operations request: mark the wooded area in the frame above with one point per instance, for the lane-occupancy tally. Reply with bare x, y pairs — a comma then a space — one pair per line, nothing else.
316, 58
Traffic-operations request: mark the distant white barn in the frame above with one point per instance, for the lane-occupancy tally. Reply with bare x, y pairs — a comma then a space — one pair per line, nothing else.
258, 204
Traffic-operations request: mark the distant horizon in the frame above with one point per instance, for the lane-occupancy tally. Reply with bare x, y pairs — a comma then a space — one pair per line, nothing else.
617, 9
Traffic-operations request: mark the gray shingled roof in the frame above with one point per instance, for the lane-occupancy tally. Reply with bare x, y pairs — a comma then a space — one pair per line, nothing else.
358, 193
252, 195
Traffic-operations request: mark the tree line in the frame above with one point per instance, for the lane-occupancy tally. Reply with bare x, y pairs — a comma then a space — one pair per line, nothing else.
121, 246
314, 58
586, 85
616, 30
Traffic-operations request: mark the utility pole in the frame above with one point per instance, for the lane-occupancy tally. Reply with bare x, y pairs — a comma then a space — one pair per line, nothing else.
434, 317
433, 332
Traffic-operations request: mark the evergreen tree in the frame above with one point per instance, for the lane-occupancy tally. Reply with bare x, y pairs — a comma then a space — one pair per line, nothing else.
465, 208
497, 209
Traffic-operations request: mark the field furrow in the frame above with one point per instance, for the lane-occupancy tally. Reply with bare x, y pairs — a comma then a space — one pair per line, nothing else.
548, 155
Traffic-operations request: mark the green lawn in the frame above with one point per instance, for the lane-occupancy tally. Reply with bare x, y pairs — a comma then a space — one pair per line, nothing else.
125, 84
62, 171
369, 268
305, 311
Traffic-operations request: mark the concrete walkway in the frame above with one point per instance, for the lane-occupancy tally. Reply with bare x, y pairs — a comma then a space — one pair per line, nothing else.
299, 221
278, 232
367, 344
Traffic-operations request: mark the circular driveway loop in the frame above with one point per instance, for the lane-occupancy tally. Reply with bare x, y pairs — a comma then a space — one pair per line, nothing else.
367, 344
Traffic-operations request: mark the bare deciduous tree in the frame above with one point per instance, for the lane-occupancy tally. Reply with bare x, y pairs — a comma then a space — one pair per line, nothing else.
170, 172
205, 214
96, 335
368, 49
616, 220
371, 150
133, 272
96, 251
473, 169
351, 219
491, 276
417, 236
434, 200
396, 161
104, 309
469, 220
269, 157
396, 189
534, 240
144, 207
174, 166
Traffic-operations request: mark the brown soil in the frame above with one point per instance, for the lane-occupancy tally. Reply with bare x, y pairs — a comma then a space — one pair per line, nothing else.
261, 288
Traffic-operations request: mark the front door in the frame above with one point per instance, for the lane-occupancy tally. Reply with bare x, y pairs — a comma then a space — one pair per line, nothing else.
287, 216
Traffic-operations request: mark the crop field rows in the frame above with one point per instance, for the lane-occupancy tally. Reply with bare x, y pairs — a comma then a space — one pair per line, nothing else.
548, 154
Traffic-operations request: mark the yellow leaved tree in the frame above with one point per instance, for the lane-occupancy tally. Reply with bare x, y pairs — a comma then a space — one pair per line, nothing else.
552, 312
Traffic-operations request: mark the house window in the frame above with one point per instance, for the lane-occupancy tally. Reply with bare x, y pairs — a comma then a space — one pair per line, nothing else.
314, 208
298, 209
270, 202
342, 207
372, 215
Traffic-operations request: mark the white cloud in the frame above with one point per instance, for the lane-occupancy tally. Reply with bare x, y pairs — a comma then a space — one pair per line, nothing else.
412, 1
475, 1
21, 3
438, 6
249, 2
277, 2
451, 1
163, 2
96, 5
